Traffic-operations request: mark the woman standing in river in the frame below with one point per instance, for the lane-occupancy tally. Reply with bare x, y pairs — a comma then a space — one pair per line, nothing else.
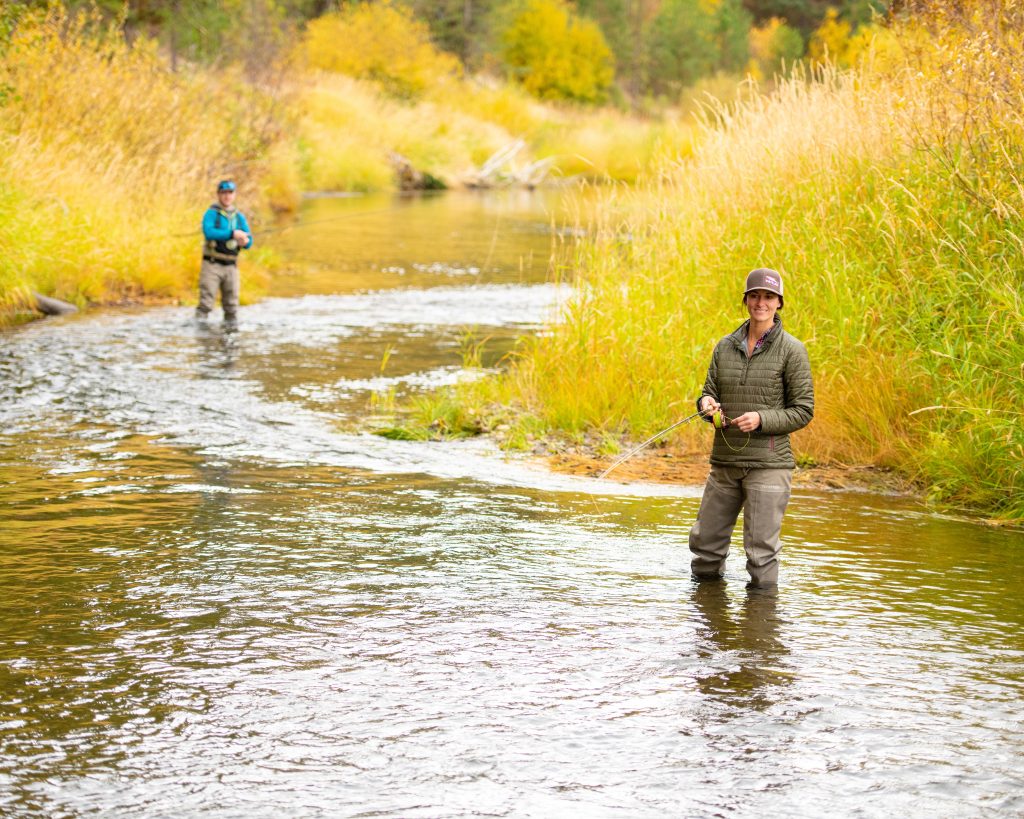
757, 391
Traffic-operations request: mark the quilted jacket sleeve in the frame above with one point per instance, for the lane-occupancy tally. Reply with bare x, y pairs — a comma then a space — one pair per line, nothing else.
710, 382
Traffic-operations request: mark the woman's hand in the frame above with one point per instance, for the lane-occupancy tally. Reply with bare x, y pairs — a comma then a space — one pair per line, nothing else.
747, 422
708, 405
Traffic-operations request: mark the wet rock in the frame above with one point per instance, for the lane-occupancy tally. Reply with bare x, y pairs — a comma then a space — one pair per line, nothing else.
53, 307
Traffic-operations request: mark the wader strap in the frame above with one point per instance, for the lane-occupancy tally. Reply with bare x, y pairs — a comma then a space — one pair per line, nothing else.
222, 252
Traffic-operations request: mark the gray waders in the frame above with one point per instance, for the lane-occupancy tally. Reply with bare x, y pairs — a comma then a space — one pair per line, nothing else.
217, 278
762, 494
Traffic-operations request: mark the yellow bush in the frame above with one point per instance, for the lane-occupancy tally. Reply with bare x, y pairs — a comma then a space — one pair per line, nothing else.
830, 40
836, 41
379, 42
557, 55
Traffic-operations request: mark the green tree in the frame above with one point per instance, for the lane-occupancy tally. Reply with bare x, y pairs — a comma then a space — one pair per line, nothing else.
614, 19
691, 39
774, 45
732, 24
625, 24
683, 45
457, 26
555, 54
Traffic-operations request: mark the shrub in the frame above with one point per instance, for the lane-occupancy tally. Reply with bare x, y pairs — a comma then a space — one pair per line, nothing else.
838, 42
379, 42
557, 55
773, 46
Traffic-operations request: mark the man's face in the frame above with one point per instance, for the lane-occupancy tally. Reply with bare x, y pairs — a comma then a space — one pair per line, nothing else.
226, 198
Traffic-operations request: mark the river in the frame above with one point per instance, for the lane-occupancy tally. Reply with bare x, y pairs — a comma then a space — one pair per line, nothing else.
221, 596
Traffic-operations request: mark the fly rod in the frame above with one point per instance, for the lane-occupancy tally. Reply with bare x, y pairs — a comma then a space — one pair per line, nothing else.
653, 438
301, 224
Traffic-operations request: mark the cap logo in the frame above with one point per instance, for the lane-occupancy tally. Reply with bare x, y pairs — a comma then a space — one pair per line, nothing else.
771, 281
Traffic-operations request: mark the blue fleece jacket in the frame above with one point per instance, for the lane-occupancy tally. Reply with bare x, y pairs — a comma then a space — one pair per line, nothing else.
219, 225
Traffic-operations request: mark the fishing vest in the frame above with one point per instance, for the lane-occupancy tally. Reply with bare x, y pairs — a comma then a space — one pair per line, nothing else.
222, 251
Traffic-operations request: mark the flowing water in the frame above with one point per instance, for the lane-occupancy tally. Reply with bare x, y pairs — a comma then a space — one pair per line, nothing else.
216, 599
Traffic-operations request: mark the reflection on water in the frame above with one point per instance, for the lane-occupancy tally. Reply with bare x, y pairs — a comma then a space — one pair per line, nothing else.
377, 241
741, 645
215, 602
218, 354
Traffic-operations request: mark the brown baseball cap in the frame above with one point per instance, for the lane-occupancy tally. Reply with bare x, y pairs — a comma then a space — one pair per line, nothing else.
764, 278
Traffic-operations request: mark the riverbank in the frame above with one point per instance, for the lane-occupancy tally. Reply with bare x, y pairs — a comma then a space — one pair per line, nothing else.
680, 465
898, 242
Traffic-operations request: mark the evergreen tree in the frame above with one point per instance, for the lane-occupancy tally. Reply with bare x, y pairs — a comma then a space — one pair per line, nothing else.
682, 45
733, 24
458, 26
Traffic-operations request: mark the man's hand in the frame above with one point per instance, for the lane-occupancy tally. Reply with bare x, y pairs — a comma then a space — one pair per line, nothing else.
747, 422
242, 238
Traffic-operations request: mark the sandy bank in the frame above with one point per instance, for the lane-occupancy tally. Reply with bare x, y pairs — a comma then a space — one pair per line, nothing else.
675, 465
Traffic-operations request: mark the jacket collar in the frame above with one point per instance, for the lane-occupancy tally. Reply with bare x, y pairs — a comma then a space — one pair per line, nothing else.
739, 335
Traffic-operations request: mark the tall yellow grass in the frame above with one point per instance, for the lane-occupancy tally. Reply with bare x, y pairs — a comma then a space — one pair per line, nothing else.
107, 156
891, 199
349, 130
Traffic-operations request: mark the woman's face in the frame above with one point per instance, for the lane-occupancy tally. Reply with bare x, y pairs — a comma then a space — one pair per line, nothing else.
762, 305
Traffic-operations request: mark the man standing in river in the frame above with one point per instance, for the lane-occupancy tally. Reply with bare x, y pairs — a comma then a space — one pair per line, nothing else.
225, 233
758, 390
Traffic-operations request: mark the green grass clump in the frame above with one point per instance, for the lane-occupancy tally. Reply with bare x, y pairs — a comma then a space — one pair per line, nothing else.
436, 416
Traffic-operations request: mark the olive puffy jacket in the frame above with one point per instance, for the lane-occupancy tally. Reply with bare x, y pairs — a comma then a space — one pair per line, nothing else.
774, 382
